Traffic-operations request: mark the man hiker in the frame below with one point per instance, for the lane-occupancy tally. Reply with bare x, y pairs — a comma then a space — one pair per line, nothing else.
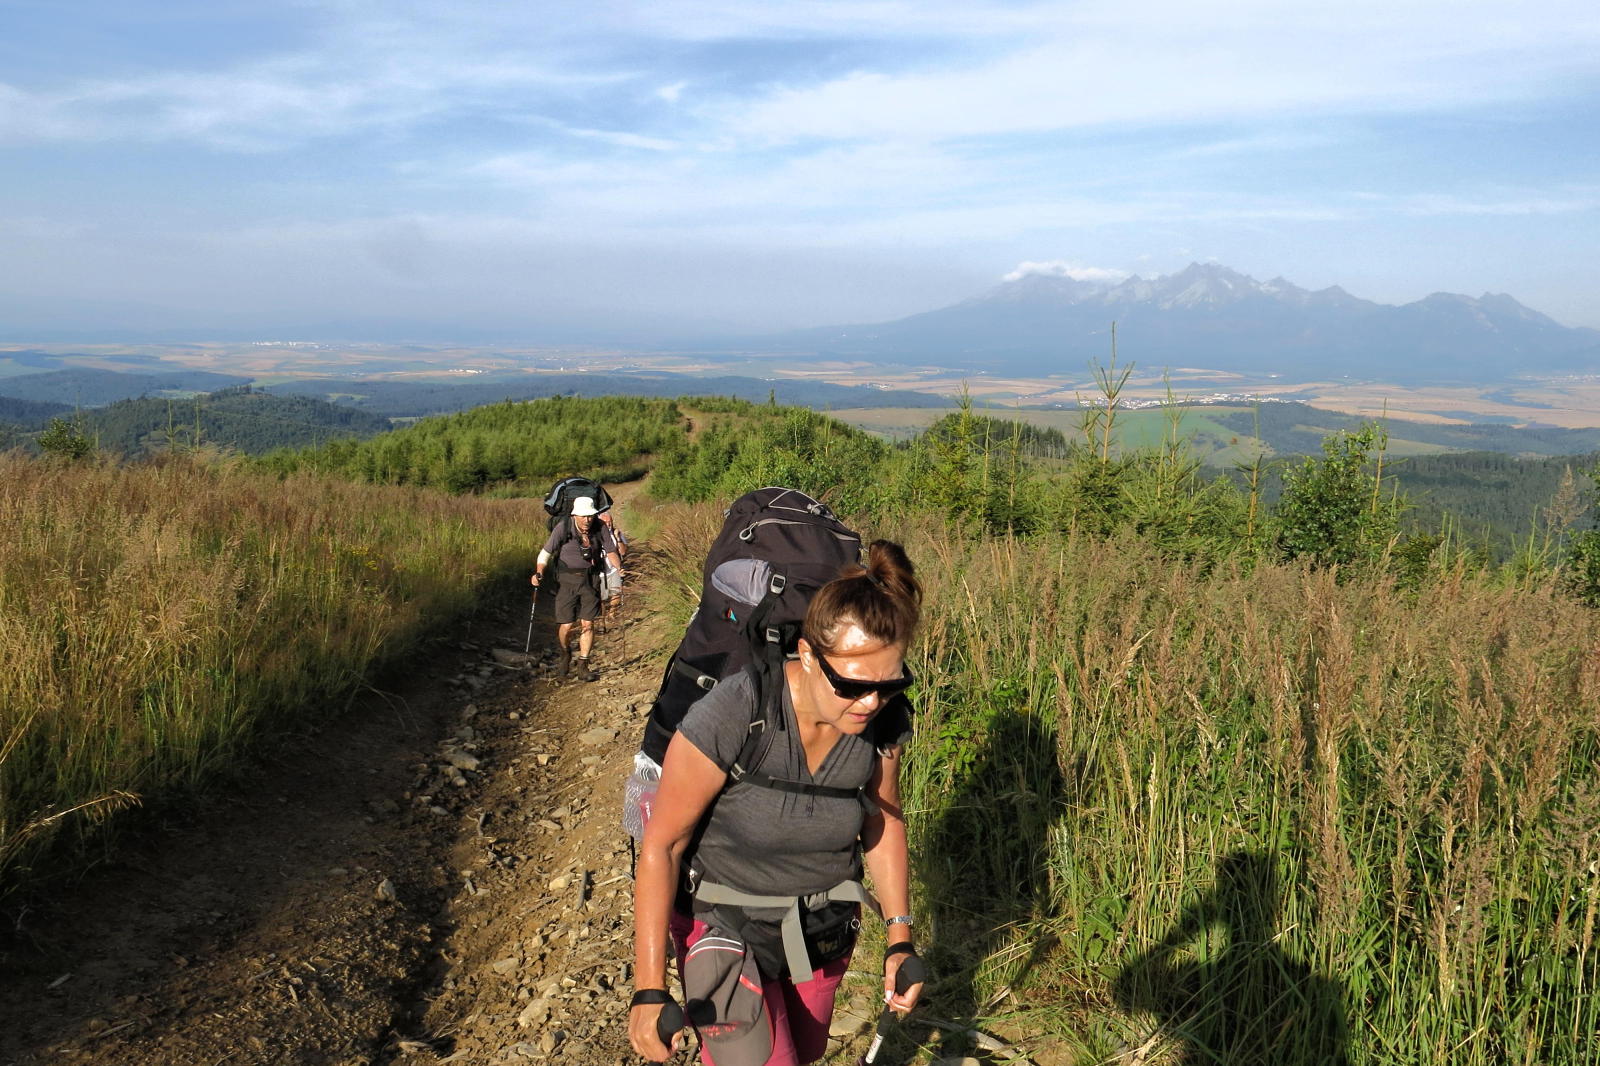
582, 548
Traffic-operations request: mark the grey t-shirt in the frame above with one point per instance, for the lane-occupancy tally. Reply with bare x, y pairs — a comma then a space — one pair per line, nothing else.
766, 841
570, 556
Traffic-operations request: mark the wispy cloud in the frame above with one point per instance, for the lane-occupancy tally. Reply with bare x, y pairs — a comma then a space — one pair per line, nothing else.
965, 70
1062, 268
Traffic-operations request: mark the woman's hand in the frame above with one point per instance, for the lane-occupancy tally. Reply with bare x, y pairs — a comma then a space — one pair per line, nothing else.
643, 1036
899, 1002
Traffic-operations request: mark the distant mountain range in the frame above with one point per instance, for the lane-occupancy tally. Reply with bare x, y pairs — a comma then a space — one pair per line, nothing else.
1208, 316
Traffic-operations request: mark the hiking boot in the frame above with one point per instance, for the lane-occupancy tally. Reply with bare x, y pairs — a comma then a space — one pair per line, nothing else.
585, 673
563, 663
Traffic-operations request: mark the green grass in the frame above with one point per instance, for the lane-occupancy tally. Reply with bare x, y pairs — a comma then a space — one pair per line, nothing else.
1274, 813
1248, 814
155, 619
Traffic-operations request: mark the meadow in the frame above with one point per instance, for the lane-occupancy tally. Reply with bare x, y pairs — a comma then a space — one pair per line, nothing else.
1259, 816
1245, 815
157, 619
1191, 780
1197, 780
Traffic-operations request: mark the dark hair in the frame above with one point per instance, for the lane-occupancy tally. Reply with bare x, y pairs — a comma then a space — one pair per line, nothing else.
883, 598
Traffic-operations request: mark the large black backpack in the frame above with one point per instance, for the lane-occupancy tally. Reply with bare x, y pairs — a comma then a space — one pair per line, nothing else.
777, 548
558, 504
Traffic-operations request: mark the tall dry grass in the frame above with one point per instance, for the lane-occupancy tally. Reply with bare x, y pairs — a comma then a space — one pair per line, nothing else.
1259, 816
155, 618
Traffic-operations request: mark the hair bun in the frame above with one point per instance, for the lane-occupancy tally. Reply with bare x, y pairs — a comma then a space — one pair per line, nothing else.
887, 605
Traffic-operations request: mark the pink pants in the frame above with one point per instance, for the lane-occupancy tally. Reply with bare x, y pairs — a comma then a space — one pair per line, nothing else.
800, 1013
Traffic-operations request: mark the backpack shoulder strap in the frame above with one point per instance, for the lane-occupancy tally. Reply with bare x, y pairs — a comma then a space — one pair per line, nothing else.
766, 715
563, 532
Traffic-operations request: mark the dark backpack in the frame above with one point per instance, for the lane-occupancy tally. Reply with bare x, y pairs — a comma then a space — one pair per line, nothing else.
558, 504
777, 547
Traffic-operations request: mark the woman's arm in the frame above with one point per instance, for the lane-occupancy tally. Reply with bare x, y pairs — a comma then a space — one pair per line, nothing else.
883, 842
689, 782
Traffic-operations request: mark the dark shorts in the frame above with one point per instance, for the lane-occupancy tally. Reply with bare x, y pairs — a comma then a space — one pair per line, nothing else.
576, 596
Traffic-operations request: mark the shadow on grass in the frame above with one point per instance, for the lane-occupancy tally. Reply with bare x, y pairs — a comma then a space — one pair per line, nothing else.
984, 863
1249, 1004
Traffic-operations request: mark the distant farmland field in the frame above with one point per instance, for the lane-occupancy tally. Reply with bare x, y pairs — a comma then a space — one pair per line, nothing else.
1211, 438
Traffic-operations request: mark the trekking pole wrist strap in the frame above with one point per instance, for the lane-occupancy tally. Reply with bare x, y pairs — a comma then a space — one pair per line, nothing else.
646, 996
902, 948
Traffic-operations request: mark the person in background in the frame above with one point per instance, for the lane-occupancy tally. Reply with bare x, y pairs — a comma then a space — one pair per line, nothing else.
611, 580
582, 548
622, 538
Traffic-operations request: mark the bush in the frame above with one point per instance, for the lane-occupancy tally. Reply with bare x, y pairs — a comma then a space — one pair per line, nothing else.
1333, 511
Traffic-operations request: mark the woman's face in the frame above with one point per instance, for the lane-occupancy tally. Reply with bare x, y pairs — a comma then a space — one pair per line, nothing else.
857, 657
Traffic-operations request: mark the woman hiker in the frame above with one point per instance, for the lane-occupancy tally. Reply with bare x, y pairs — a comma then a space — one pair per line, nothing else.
577, 545
760, 980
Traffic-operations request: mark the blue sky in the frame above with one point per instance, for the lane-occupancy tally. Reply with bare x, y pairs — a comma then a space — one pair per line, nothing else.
533, 171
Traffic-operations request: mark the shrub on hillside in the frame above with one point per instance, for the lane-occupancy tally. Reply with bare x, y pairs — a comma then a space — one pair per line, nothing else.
1333, 511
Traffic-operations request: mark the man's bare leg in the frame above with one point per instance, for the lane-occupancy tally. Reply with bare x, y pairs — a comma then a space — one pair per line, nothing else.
585, 643
563, 652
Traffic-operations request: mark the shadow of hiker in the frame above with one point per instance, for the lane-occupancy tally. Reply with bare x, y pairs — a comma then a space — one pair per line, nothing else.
984, 865
1250, 1005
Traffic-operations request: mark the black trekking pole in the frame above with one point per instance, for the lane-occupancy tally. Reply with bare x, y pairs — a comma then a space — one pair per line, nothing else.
527, 649
912, 971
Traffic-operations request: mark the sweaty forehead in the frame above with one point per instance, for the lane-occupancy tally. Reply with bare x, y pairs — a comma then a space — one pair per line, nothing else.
851, 639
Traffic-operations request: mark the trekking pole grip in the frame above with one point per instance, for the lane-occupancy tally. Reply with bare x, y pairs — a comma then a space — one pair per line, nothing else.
911, 972
668, 1022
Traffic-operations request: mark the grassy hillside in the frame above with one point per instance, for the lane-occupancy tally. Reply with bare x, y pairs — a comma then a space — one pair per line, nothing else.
156, 618
1248, 813
1277, 812
505, 444
1167, 786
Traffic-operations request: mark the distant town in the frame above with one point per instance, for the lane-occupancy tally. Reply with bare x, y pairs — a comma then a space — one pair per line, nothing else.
1229, 398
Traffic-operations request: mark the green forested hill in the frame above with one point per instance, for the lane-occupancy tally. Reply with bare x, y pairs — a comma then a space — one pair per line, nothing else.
409, 399
89, 387
503, 443
1495, 499
243, 418
29, 414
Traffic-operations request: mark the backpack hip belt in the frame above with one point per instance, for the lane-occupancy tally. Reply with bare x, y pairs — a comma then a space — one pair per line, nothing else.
794, 941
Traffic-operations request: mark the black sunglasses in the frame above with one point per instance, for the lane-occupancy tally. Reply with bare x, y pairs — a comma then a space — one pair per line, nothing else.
848, 688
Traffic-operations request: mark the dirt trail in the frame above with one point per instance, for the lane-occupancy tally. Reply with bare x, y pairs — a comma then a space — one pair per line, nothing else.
437, 876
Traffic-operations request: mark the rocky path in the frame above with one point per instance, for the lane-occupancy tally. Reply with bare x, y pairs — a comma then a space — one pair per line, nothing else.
438, 875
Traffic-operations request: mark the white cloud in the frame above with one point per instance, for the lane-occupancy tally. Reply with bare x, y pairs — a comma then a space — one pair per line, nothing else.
1102, 63
954, 70
1061, 268
623, 139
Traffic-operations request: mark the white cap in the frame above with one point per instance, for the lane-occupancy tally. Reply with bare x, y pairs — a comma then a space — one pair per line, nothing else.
583, 507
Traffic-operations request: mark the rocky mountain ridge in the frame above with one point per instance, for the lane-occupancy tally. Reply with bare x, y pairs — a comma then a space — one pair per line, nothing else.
1213, 317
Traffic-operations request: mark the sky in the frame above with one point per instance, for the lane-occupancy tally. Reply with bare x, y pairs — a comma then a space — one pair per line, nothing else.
535, 172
